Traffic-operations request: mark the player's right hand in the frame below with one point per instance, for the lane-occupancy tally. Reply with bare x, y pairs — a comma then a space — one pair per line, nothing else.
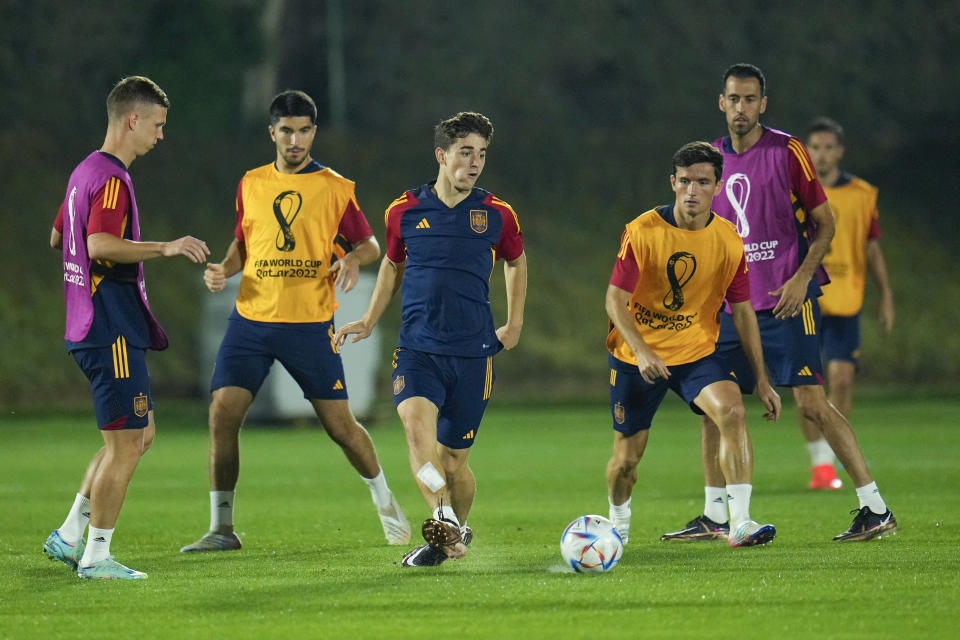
215, 277
651, 366
194, 249
359, 330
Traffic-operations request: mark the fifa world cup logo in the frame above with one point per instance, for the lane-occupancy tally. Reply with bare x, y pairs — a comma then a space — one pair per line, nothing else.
680, 268
286, 207
738, 192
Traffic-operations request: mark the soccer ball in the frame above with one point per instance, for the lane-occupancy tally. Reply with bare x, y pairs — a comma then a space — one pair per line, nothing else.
591, 544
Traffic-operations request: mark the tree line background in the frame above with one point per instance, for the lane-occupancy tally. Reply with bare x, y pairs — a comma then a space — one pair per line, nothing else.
589, 100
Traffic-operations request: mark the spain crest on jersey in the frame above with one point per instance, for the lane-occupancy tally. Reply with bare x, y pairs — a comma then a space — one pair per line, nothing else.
140, 405
478, 220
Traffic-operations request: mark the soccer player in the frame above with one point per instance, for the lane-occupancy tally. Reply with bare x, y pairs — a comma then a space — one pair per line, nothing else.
772, 195
676, 265
855, 250
109, 324
443, 239
290, 213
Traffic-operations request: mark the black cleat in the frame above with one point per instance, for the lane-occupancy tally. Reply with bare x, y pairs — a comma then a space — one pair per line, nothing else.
700, 528
425, 555
867, 525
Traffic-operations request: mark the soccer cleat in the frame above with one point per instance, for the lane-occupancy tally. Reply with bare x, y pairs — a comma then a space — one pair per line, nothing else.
867, 525
824, 476
426, 555
466, 535
213, 541
395, 525
750, 533
622, 525
109, 569
700, 528
446, 535
57, 548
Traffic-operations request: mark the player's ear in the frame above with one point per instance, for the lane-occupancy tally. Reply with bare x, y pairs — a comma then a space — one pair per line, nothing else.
763, 104
721, 103
273, 133
441, 156
716, 190
673, 181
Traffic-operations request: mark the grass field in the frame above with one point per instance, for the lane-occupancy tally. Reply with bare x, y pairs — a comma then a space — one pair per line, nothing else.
314, 564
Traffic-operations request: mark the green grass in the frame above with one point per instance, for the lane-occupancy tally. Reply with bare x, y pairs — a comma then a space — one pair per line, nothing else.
314, 564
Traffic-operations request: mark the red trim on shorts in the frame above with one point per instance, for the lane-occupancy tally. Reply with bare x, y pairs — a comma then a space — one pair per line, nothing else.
117, 425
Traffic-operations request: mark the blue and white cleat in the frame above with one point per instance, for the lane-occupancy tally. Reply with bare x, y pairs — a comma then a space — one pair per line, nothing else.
750, 533
57, 548
395, 525
109, 569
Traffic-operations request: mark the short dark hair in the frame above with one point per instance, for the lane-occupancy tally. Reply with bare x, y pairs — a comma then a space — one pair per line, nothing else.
292, 104
826, 125
460, 126
745, 70
131, 91
696, 152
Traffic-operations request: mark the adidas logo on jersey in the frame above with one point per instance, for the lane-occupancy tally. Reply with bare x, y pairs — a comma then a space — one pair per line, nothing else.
469, 435
338, 385
423, 224
805, 372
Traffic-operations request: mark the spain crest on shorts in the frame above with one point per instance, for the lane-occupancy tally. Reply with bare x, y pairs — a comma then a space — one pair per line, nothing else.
619, 413
140, 405
478, 220
398, 385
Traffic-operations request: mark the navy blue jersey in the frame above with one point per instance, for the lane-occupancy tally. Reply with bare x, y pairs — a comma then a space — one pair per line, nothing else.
449, 255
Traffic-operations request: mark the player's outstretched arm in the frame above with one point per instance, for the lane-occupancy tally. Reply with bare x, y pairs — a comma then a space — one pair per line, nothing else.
515, 275
794, 291
346, 270
650, 365
106, 246
216, 274
388, 281
877, 267
745, 322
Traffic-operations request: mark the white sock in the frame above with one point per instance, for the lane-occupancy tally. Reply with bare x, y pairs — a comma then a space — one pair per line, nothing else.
715, 503
738, 500
820, 452
620, 510
77, 520
379, 490
869, 496
446, 513
221, 509
98, 546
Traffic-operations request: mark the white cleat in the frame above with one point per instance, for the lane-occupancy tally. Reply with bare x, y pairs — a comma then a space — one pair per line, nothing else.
395, 526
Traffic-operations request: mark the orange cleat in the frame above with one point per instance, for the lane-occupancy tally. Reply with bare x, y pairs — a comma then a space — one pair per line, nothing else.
824, 476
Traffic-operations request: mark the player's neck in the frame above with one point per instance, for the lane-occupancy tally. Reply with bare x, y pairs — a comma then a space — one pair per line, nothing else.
113, 144
829, 178
743, 143
690, 222
283, 167
447, 193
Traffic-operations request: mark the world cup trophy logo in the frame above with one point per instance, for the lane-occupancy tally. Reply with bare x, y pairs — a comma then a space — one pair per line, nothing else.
738, 192
286, 206
680, 268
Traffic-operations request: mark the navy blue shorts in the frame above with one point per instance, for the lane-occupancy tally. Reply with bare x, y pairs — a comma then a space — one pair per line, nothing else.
305, 350
459, 387
119, 384
791, 349
633, 401
840, 338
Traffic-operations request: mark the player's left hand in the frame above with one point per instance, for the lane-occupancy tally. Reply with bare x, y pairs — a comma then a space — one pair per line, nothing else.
770, 399
885, 313
508, 336
792, 294
346, 272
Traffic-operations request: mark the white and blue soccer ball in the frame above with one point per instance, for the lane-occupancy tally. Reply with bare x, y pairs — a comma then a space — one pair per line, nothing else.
591, 544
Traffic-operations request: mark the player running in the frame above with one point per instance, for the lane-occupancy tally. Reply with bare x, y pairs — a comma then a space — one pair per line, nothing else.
676, 265
443, 239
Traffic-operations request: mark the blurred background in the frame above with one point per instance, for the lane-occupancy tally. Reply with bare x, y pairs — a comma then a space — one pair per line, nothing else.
589, 101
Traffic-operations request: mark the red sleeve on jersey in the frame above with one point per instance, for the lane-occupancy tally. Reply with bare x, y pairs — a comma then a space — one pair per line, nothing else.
353, 225
238, 230
874, 232
510, 245
739, 289
803, 179
58, 223
109, 209
626, 273
396, 247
